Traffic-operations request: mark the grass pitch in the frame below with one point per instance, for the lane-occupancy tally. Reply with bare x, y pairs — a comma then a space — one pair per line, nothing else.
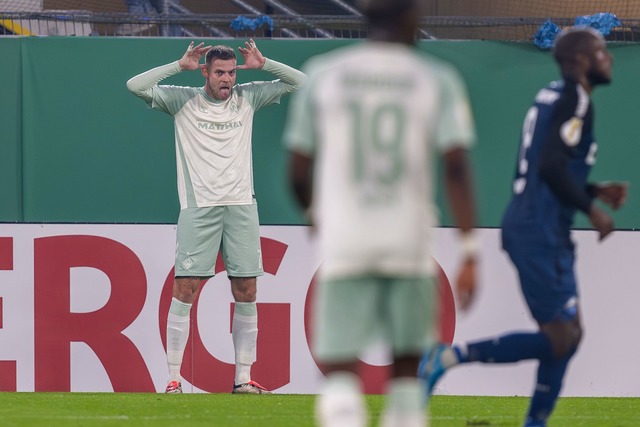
222, 410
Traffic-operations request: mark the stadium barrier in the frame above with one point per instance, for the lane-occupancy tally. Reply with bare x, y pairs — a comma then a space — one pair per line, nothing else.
78, 147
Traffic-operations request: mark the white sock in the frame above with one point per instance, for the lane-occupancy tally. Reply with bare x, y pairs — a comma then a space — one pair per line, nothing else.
245, 337
177, 336
404, 406
340, 402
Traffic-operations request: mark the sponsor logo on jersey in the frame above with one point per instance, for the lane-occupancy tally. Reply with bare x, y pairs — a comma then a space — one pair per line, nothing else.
219, 126
357, 81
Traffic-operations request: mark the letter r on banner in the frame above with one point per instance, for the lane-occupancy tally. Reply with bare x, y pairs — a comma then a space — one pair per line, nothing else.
56, 327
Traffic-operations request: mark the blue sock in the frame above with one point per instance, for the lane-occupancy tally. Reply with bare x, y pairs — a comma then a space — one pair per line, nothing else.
549, 383
509, 348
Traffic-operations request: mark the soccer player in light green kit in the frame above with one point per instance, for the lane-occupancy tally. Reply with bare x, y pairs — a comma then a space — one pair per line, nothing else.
218, 208
364, 134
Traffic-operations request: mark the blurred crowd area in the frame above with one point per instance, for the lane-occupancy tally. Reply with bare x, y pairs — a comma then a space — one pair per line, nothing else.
516, 20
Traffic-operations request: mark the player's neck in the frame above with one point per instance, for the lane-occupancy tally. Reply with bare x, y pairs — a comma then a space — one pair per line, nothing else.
581, 79
390, 35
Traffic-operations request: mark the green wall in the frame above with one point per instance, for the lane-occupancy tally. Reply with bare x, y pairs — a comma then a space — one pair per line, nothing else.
10, 130
78, 147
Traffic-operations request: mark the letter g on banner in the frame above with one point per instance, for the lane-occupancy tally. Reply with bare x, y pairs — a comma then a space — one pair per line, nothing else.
272, 368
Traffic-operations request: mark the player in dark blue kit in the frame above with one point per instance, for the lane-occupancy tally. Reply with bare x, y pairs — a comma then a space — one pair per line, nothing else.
556, 153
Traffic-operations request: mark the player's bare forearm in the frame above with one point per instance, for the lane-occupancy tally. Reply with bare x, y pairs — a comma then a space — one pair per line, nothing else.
459, 189
300, 178
466, 283
601, 221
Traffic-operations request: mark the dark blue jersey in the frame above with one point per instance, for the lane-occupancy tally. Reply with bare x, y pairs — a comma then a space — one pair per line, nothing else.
557, 151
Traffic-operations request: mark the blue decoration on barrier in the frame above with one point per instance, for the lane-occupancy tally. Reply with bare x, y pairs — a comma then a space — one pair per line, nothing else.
242, 23
548, 31
603, 22
546, 35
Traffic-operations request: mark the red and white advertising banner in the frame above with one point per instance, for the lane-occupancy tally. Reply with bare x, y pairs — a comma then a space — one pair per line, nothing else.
83, 308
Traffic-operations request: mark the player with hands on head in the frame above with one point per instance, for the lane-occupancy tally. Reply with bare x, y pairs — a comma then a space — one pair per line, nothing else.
557, 151
218, 207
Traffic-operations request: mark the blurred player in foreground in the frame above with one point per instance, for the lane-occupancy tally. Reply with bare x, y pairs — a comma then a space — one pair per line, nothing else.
364, 136
218, 208
556, 153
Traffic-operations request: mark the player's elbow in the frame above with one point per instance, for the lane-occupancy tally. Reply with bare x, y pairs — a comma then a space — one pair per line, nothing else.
141, 92
298, 83
133, 87
292, 87
302, 81
551, 167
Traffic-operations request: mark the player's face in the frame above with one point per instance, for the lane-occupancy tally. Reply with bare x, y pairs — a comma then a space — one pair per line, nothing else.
601, 64
220, 76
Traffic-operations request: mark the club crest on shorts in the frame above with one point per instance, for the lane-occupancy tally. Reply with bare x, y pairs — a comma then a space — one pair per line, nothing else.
187, 263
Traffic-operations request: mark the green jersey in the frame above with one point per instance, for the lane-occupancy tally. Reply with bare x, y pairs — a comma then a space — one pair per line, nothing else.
374, 116
213, 138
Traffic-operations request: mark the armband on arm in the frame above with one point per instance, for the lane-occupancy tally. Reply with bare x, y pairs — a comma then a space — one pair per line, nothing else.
469, 245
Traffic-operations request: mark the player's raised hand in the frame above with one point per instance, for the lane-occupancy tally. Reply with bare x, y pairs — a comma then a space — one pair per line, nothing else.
601, 221
613, 194
252, 56
191, 58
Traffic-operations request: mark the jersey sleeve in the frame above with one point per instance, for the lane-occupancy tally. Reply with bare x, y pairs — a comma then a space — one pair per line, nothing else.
260, 94
169, 99
264, 93
299, 132
565, 131
455, 127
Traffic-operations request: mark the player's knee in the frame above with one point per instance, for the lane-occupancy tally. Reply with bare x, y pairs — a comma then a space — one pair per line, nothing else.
576, 335
244, 289
565, 338
185, 289
244, 296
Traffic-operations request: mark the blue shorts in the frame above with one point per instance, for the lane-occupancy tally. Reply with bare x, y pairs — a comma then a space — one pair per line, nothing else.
548, 281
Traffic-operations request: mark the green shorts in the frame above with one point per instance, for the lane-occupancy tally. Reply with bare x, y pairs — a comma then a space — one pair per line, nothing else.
232, 230
350, 314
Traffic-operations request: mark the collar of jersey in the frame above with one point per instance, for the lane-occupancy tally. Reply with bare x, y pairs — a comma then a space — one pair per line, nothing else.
216, 101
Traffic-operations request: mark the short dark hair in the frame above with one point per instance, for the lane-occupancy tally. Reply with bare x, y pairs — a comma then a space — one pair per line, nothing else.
574, 41
220, 52
381, 11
